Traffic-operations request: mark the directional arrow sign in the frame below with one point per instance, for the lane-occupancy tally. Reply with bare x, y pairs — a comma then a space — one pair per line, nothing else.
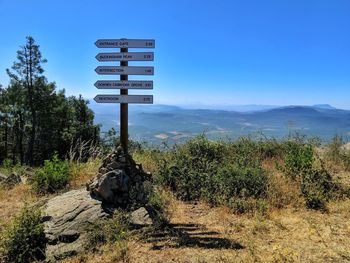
123, 84
126, 56
125, 43
115, 70
143, 99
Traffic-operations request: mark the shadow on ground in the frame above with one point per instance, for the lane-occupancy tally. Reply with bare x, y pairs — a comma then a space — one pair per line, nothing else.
189, 235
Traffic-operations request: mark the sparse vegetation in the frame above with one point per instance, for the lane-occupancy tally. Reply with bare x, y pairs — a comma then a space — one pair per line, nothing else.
114, 231
24, 239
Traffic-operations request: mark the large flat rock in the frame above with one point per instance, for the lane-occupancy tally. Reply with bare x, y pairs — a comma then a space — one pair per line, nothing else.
66, 218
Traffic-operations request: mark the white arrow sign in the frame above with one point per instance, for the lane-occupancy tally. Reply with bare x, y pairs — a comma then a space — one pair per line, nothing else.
123, 84
127, 56
143, 99
115, 70
125, 43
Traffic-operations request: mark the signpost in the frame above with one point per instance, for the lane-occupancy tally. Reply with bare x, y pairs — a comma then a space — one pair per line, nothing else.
124, 70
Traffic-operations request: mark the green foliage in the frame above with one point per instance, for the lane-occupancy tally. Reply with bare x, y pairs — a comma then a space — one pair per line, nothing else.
24, 240
53, 176
316, 184
238, 181
189, 168
299, 159
231, 173
35, 119
317, 187
202, 169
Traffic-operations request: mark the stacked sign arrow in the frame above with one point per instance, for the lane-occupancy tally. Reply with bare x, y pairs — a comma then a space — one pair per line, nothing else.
124, 70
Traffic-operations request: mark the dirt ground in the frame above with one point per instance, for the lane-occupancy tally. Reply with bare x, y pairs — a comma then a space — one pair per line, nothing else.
199, 233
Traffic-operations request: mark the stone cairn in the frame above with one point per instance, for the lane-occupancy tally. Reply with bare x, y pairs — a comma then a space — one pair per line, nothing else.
121, 182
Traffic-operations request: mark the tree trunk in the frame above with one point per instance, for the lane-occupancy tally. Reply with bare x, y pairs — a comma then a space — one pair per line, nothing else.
20, 142
30, 88
5, 137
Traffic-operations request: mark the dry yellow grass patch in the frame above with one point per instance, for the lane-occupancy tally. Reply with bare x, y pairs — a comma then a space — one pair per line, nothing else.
12, 200
148, 161
82, 172
204, 234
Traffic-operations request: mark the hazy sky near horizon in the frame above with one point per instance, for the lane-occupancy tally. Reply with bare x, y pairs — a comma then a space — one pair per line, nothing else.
207, 52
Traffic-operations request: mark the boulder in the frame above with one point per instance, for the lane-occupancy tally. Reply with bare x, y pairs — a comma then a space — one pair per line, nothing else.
11, 180
140, 217
111, 182
66, 219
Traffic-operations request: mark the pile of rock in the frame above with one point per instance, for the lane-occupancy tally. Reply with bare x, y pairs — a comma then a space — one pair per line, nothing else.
10, 181
121, 182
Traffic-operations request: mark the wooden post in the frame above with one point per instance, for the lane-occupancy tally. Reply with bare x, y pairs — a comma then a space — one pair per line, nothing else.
124, 110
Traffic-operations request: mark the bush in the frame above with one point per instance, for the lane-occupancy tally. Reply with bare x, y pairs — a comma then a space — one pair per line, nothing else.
187, 169
316, 185
241, 182
24, 240
201, 169
299, 159
53, 176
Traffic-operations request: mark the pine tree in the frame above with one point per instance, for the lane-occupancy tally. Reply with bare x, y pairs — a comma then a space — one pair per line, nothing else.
27, 72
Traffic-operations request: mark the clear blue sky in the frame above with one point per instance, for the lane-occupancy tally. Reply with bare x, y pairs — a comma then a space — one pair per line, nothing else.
207, 52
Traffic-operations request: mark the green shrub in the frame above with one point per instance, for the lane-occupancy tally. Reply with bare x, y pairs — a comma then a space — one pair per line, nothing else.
24, 240
53, 176
316, 184
317, 187
201, 169
241, 182
187, 169
299, 159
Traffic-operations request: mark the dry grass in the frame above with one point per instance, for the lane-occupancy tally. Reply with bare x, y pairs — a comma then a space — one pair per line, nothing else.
282, 191
148, 160
82, 173
200, 233
12, 200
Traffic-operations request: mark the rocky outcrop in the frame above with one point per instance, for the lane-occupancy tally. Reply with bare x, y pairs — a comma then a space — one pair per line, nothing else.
10, 181
66, 219
121, 182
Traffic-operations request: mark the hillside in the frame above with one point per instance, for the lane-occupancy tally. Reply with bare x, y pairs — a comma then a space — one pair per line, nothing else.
234, 201
157, 123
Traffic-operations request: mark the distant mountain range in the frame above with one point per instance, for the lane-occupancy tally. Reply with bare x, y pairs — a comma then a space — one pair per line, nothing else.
157, 123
